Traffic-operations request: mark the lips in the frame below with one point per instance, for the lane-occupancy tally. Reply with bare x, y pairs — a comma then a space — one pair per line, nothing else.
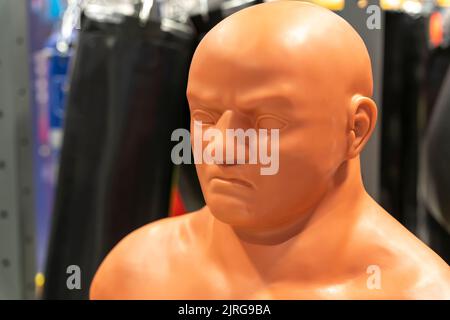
235, 181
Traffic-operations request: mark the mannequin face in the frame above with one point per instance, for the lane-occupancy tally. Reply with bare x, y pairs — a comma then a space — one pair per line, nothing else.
238, 81
311, 140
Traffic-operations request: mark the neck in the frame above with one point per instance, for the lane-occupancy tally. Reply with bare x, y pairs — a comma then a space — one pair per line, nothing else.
319, 234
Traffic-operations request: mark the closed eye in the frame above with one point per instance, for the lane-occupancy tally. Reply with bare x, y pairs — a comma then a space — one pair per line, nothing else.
204, 117
270, 122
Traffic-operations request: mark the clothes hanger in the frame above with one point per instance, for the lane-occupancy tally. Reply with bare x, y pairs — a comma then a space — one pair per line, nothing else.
70, 22
231, 6
152, 10
144, 13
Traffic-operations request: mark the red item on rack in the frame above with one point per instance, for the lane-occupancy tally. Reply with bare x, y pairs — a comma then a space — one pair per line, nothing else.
176, 206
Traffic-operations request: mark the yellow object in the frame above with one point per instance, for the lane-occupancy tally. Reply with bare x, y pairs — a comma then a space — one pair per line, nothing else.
335, 5
39, 280
362, 4
443, 3
391, 4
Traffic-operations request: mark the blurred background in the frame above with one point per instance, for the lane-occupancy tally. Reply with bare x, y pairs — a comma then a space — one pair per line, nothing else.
91, 90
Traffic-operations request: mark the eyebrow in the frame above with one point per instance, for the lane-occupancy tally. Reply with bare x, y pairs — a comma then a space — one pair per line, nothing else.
262, 102
249, 104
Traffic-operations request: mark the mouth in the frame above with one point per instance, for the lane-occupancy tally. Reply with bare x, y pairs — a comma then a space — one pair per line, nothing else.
234, 181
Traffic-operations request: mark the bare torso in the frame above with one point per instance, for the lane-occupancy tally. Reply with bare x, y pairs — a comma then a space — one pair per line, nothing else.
176, 258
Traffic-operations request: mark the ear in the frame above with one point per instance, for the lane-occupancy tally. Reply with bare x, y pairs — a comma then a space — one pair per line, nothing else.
362, 120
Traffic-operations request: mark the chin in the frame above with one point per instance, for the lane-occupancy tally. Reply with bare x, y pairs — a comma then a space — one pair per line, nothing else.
234, 212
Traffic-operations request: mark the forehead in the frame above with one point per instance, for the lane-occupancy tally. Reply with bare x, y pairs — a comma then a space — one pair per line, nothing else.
247, 81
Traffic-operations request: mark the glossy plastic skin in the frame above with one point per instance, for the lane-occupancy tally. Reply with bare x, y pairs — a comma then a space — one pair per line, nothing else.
309, 232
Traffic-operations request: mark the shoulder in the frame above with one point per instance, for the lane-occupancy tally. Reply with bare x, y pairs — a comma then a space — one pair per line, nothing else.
425, 274
141, 258
408, 268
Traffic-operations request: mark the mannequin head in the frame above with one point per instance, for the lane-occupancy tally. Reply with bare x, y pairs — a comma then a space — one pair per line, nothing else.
291, 66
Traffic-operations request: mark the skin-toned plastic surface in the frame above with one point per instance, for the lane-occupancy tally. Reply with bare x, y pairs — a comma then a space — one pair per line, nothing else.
308, 232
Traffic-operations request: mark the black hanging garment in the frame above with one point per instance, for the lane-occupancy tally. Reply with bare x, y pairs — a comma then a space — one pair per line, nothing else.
405, 56
435, 173
127, 95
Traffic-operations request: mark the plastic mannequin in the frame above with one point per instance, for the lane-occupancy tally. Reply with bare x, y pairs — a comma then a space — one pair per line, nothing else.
308, 232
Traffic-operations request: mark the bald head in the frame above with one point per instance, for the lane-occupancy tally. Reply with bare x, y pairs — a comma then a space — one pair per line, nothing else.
296, 68
309, 42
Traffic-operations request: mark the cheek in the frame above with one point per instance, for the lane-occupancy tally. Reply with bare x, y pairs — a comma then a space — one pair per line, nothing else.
313, 152
301, 182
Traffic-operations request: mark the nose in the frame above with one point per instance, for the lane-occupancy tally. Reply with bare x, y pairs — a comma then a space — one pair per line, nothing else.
233, 120
228, 124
